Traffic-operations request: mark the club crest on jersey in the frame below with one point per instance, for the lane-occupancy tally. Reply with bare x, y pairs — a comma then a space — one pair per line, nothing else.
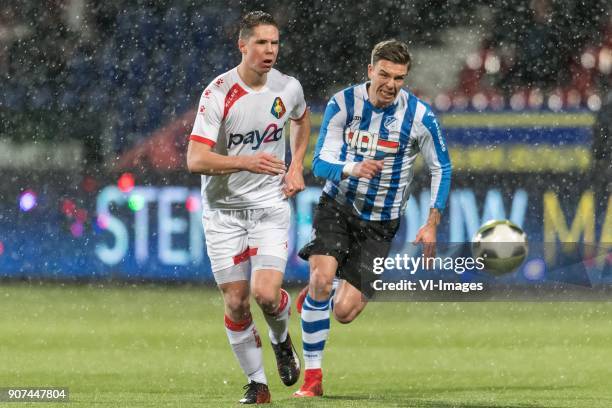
278, 108
390, 123
368, 144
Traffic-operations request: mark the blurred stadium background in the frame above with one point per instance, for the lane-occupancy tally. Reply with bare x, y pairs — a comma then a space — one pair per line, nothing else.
97, 99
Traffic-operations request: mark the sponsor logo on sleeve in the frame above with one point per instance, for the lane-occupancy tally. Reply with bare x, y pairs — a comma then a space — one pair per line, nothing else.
438, 131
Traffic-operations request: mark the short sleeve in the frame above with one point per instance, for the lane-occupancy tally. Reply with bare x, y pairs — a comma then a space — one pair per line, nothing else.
208, 118
299, 102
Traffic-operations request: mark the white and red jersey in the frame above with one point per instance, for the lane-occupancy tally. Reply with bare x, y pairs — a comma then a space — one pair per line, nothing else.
237, 120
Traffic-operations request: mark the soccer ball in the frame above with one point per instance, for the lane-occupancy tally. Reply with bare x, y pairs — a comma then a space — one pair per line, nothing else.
502, 245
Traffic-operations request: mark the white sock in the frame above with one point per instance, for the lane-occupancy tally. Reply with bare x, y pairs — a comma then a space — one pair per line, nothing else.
315, 331
278, 322
246, 344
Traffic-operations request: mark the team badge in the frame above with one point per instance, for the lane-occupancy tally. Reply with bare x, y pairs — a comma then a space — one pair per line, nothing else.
278, 108
390, 123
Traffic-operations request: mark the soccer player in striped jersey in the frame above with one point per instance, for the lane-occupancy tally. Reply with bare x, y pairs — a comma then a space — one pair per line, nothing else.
237, 145
369, 140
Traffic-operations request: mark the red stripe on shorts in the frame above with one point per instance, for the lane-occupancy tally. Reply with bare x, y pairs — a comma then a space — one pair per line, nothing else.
241, 257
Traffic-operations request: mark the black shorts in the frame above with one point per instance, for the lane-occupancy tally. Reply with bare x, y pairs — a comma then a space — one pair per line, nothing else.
352, 241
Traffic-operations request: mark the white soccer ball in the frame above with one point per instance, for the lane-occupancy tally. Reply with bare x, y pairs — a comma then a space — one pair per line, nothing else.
502, 245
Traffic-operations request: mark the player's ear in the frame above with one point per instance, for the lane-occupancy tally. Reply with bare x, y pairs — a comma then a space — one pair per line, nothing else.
242, 45
370, 71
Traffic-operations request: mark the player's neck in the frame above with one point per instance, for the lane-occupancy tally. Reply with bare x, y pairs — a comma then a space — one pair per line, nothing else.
252, 79
377, 104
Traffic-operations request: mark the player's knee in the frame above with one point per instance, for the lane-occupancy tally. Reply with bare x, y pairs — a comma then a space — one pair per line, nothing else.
320, 283
344, 315
237, 306
346, 309
266, 298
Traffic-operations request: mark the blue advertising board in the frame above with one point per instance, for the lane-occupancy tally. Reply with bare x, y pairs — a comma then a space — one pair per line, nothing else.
160, 237
529, 168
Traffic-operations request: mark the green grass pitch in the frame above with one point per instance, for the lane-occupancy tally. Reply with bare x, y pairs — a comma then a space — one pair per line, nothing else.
165, 346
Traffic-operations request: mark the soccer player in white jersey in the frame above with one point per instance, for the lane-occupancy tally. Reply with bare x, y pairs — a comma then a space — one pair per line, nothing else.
237, 145
369, 139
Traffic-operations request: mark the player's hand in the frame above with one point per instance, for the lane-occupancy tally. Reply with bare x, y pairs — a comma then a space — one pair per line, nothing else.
427, 237
367, 169
264, 163
293, 181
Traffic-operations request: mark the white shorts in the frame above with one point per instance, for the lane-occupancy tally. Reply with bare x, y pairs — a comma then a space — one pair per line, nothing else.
240, 240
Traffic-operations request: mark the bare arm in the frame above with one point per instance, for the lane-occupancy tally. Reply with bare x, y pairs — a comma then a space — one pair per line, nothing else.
201, 160
300, 135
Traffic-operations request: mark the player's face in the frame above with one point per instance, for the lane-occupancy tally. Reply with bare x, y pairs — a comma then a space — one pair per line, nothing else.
260, 50
386, 80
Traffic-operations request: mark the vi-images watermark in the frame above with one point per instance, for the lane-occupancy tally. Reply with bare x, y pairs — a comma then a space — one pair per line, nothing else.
412, 265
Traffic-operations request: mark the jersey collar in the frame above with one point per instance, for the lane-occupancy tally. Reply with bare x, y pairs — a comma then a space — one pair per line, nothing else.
248, 88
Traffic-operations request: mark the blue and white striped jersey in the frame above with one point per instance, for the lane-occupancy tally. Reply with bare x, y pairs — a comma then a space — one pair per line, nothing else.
353, 130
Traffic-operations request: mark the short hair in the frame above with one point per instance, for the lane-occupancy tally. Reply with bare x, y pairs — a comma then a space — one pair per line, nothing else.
391, 50
253, 19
